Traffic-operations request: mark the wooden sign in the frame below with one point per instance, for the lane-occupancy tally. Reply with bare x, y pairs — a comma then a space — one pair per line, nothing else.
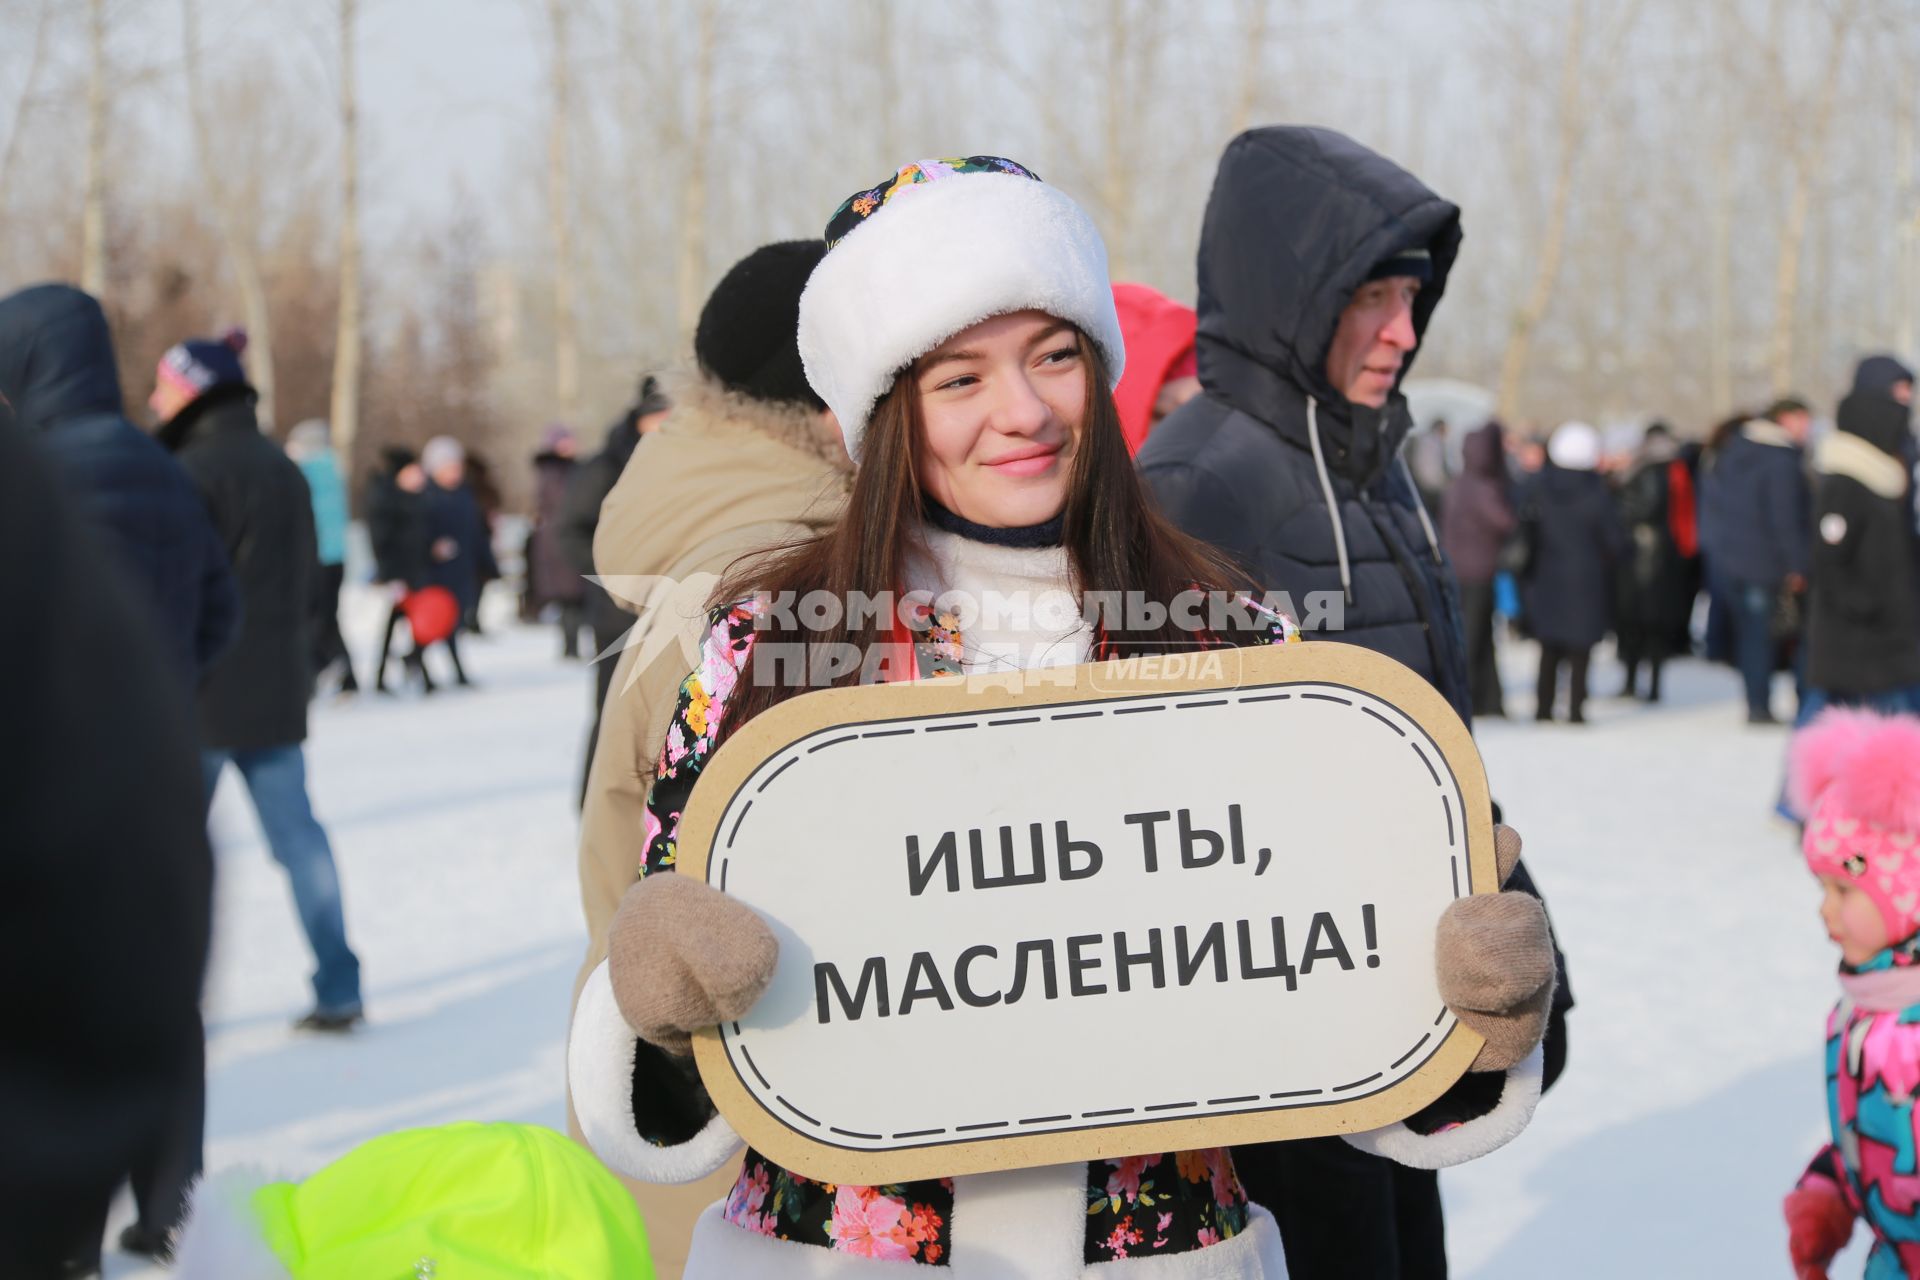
1096, 911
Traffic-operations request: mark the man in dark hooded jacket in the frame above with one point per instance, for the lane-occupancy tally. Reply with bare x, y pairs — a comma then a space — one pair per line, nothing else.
1320, 265
105, 918
1884, 375
1863, 623
57, 371
253, 708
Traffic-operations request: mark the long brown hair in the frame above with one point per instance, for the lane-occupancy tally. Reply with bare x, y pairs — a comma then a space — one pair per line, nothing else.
1116, 541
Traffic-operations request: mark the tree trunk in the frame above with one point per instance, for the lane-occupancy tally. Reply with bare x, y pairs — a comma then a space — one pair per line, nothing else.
1907, 226
1255, 21
24, 104
1513, 366
345, 406
886, 122
1808, 166
93, 212
1116, 169
566, 342
692, 274
1720, 335
237, 244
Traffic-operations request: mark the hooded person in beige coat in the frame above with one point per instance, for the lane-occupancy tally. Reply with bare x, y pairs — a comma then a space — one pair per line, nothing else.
749, 460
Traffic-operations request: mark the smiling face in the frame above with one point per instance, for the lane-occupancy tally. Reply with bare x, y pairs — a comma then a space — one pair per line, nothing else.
1373, 340
1852, 920
1001, 410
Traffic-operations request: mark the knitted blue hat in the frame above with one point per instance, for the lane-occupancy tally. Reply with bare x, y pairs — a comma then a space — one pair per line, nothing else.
198, 365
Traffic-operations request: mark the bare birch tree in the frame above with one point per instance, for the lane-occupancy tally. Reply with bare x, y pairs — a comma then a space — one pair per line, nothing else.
24, 104
1806, 130
93, 209
1578, 105
566, 341
344, 412
236, 240
690, 275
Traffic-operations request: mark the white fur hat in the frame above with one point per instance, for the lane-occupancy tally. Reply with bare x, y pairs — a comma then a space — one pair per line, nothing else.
938, 248
1575, 446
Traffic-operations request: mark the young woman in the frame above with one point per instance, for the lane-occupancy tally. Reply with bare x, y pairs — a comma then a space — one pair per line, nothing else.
962, 330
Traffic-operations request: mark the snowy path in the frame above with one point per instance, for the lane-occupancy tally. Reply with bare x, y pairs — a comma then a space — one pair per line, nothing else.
1691, 1102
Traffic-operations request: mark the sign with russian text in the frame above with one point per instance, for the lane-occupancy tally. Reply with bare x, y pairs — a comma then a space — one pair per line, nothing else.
1113, 909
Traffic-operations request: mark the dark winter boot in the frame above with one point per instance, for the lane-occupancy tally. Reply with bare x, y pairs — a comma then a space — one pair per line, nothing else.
333, 1023
143, 1241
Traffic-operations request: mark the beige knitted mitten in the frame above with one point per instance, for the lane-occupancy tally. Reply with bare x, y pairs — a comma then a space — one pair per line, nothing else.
1494, 956
683, 955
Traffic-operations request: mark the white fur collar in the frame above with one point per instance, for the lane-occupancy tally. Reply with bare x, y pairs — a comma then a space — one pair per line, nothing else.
1842, 454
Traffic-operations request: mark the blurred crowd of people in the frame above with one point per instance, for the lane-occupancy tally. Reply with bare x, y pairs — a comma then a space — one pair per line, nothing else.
1757, 545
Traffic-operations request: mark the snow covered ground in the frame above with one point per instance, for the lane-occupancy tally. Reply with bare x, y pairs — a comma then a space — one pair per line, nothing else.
1692, 1099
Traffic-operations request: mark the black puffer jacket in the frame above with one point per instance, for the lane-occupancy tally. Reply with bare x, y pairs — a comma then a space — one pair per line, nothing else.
1297, 219
1578, 540
1863, 624
397, 528
579, 516
57, 370
103, 851
256, 696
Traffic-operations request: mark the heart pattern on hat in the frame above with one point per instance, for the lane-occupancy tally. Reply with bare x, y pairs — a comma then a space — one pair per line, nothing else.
1876, 859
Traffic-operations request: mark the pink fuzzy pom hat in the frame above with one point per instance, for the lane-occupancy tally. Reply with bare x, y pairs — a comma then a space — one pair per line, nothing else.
1857, 775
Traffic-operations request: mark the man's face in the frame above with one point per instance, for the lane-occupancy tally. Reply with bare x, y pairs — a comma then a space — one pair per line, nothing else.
167, 401
1902, 391
449, 475
1796, 425
1373, 340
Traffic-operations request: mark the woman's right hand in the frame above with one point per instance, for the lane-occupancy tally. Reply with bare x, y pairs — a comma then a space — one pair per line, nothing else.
682, 955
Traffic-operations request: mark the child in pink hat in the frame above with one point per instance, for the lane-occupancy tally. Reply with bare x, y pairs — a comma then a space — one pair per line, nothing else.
1857, 775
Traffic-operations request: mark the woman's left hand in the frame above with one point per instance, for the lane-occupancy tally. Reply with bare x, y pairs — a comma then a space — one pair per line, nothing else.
1494, 955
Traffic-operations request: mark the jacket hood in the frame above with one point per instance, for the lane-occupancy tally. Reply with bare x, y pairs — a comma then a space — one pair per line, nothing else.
1876, 418
1482, 453
56, 357
1879, 373
1297, 219
1159, 335
723, 462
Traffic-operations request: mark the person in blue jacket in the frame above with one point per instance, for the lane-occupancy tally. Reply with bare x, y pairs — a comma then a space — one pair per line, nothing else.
310, 445
1755, 527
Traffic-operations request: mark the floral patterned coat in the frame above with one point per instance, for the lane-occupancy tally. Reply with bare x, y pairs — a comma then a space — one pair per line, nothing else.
1184, 1212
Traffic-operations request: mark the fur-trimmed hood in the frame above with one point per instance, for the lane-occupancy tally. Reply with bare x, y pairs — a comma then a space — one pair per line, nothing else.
722, 463
1842, 454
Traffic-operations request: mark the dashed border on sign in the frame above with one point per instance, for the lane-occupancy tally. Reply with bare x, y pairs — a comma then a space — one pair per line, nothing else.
1101, 1117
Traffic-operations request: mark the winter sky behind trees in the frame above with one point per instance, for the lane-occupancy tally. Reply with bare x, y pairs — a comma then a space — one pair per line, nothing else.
1672, 207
